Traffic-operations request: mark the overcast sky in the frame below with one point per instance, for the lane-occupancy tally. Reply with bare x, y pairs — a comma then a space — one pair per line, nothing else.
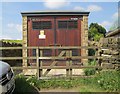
103, 13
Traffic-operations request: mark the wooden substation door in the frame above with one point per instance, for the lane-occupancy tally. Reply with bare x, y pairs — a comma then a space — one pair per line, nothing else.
58, 31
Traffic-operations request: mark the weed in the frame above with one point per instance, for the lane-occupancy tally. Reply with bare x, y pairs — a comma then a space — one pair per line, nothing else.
105, 81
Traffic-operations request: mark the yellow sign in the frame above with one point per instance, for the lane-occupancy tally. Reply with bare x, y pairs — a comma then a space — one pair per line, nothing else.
42, 35
42, 32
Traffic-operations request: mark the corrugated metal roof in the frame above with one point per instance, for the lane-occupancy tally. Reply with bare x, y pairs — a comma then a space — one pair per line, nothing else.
54, 12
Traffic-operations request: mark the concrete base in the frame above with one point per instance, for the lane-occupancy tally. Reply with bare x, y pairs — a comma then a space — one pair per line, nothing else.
55, 72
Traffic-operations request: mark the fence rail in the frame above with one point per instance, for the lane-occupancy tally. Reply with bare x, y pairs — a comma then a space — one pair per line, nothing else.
54, 47
39, 57
56, 67
50, 58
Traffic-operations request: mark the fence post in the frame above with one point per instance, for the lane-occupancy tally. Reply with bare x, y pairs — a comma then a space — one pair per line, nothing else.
70, 53
41, 63
67, 63
37, 60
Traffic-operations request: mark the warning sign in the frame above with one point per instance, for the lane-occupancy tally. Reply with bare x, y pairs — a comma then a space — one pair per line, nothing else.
42, 35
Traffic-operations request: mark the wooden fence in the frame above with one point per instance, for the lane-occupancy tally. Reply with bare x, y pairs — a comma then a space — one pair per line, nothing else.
68, 57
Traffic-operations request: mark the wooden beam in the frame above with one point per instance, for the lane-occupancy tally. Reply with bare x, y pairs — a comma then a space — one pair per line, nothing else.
70, 64
41, 63
42, 48
53, 64
59, 56
55, 67
51, 58
65, 67
46, 72
38, 65
67, 63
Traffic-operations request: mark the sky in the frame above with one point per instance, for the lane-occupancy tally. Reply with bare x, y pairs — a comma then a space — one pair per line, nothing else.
103, 13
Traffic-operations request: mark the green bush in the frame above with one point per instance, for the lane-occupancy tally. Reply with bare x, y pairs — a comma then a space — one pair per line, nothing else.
89, 71
91, 52
22, 86
92, 63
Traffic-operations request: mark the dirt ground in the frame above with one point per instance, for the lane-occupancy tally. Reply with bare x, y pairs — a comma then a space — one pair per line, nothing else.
61, 90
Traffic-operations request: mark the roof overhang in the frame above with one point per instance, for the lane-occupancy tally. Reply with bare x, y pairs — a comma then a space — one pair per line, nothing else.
42, 13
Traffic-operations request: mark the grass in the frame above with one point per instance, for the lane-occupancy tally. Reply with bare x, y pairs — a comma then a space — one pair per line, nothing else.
28, 84
89, 88
103, 81
109, 80
12, 41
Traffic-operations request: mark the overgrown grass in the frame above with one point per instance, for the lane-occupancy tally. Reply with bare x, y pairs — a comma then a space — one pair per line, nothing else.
105, 81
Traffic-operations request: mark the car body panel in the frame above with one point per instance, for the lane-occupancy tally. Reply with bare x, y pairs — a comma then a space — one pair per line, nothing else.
6, 77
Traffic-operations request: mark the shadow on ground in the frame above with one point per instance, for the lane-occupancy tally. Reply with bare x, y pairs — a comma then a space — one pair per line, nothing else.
23, 87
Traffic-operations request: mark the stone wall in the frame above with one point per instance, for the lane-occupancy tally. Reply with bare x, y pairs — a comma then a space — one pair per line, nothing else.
84, 37
110, 52
11, 53
24, 30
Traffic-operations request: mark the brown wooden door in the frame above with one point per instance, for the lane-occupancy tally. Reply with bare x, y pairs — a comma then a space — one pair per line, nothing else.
69, 35
68, 32
33, 34
65, 36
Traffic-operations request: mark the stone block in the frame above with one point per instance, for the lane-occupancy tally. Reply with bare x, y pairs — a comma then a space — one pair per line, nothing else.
107, 66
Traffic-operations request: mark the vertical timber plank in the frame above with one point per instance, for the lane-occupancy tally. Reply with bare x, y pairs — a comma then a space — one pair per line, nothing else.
41, 63
67, 64
70, 53
37, 60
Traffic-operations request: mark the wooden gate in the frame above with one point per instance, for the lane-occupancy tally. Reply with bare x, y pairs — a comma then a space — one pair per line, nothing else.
63, 57
66, 56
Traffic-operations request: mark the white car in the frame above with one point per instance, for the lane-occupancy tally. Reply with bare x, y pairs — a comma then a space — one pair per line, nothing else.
7, 82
